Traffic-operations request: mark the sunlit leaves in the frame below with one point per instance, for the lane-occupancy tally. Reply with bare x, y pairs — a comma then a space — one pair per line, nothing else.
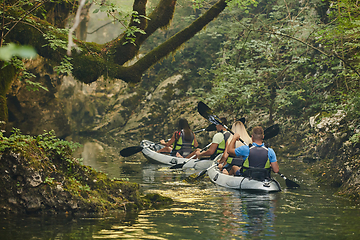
34, 86
12, 50
54, 42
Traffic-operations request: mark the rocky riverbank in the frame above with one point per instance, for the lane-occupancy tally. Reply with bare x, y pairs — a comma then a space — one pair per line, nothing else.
38, 175
329, 147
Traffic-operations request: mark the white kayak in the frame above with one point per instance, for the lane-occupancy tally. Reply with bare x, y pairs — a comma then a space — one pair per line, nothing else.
149, 151
239, 182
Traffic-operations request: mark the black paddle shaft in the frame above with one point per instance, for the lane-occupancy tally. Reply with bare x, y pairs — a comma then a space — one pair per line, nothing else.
206, 112
126, 152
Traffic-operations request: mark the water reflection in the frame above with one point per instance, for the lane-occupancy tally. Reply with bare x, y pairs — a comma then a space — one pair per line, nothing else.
202, 211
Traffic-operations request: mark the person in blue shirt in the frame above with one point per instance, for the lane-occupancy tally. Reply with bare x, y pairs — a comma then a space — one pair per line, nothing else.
255, 156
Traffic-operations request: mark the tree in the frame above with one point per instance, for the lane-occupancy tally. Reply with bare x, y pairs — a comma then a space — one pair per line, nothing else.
40, 23
290, 59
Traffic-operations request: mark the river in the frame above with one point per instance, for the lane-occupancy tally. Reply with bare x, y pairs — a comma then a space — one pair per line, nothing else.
203, 210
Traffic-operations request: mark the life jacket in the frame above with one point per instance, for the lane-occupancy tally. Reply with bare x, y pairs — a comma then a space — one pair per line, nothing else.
237, 161
221, 147
181, 145
258, 158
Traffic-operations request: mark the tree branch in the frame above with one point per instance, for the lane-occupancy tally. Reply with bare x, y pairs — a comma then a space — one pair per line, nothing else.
172, 44
160, 17
125, 50
315, 48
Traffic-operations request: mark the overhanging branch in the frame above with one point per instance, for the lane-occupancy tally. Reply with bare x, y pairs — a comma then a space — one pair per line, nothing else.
172, 44
315, 48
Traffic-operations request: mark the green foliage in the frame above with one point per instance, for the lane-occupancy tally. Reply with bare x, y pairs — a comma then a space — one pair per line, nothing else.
355, 138
34, 86
49, 180
11, 50
26, 76
54, 42
244, 5
266, 64
65, 66
118, 14
48, 142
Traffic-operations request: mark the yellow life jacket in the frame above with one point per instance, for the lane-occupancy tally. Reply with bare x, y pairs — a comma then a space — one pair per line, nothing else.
221, 147
182, 144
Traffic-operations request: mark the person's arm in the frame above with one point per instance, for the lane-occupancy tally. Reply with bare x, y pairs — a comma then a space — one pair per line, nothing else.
170, 142
208, 152
196, 144
223, 157
275, 167
273, 161
231, 147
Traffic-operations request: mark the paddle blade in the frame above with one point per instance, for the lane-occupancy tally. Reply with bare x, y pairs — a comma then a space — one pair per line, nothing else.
291, 184
126, 152
288, 182
177, 166
206, 112
271, 131
201, 174
211, 127
241, 120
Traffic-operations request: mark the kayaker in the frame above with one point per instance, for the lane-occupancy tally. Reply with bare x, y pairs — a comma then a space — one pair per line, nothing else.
218, 143
182, 142
255, 156
227, 161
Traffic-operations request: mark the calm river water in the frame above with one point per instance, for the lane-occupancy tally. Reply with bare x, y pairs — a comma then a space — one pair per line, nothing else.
203, 211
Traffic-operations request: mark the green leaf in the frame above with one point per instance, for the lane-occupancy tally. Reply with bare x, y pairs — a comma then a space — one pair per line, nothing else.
11, 50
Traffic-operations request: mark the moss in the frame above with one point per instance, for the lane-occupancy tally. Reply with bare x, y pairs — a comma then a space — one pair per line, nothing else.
7, 76
88, 68
3, 109
156, 200
65, 184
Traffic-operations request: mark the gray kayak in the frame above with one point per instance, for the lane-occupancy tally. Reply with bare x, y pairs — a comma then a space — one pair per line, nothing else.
149, 151
239, 182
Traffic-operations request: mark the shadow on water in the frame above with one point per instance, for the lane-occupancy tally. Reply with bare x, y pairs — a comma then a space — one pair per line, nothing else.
203, 210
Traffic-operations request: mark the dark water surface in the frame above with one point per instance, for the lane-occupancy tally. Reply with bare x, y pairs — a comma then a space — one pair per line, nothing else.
204, 211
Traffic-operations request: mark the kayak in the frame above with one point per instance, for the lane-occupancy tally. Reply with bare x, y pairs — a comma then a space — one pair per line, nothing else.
149, 151
239, 182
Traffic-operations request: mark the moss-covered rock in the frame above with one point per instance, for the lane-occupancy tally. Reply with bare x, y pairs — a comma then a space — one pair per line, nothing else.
39, 175
156, 200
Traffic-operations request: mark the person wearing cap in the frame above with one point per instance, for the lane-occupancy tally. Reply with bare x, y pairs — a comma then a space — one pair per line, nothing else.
218, 143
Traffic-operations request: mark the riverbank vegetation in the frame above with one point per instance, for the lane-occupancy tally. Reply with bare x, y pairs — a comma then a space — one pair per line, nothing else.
39, 174
290, 62
295, 63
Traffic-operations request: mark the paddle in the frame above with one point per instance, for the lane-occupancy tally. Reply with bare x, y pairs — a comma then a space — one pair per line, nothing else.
210, 128
206, 112
288, 182
270, 132
180, 165
203, 172
126, 152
